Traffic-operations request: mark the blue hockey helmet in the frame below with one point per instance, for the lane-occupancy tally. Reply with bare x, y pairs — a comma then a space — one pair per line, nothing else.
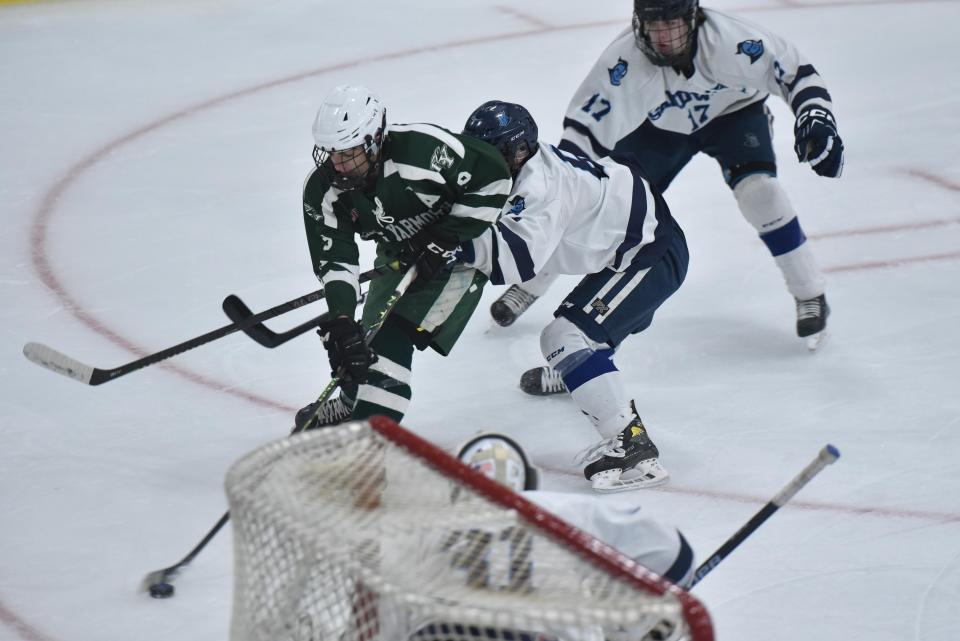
665, 30
507, 126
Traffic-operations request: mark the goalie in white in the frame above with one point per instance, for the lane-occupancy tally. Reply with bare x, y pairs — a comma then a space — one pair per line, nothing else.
601, 219
659, 547
685, 80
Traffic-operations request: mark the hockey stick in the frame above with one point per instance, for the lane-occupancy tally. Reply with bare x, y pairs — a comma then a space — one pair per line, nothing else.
238, 311
825, 457
158, 583
53, 360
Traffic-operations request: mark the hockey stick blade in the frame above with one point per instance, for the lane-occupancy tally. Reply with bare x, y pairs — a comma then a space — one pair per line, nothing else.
826, 456
49, 358
158, 583
55, 361
241, 315
237, 311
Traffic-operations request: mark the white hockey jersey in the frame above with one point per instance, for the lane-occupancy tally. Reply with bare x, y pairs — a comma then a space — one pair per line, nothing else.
570, 215
628, 528
736, 64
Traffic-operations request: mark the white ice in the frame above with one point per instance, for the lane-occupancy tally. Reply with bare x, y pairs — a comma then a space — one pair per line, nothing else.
151, 160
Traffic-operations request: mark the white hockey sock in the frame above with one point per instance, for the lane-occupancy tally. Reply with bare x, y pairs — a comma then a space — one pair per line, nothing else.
606, 402
765, 205
803, 277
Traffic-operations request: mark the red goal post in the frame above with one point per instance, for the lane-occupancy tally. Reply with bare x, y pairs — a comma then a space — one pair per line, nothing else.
367, 532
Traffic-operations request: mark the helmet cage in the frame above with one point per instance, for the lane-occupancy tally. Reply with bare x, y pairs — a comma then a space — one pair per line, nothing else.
659, 11
370, 147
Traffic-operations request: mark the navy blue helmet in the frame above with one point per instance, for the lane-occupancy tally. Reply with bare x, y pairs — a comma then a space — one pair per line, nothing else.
508, 127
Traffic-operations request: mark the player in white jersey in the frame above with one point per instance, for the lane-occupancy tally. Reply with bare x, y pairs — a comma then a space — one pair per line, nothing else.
602, 220
624, 526
627, 527
685, 80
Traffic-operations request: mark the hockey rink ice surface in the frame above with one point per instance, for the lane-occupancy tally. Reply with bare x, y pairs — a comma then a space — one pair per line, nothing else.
151, 162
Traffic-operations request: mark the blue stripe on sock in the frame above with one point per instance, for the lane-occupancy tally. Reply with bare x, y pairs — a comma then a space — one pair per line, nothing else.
598, 364
784, 239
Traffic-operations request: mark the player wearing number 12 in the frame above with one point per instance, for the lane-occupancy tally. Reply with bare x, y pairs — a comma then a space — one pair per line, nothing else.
418, 191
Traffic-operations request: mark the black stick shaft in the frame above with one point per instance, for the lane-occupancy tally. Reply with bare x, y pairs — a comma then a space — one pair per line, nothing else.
56, 361
827, 455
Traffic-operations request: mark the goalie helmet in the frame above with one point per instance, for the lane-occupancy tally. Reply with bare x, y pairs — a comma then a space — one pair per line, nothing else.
347, 134
665, 30
501, 459
508, 127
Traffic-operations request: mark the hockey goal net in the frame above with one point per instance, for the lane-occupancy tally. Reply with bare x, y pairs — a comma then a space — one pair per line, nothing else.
366, 532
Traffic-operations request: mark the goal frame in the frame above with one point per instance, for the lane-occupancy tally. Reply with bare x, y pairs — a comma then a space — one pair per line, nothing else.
604, 556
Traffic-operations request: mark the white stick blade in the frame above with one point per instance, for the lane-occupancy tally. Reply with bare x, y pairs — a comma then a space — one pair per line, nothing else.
55, 361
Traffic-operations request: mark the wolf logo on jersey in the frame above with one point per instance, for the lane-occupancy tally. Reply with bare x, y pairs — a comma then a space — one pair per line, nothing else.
517, 204
617, 72
442, 158
753, 49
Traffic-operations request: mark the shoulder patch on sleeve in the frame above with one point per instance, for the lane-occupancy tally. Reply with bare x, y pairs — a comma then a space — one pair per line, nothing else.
753, 49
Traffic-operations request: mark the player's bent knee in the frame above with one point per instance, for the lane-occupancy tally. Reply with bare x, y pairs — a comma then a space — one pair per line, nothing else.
763, 202
565, 346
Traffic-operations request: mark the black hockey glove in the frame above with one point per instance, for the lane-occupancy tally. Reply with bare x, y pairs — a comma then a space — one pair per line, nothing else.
434, 252
343, 339
817, 141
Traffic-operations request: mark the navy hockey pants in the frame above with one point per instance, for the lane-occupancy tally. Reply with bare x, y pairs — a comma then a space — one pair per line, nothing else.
609, 306
739, 141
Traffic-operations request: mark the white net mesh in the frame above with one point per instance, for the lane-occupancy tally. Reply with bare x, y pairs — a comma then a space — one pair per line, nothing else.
367, 533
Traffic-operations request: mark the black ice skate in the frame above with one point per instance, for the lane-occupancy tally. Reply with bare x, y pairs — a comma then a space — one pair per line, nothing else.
515, 301
542, 381
812, 320
333, 412
625, 462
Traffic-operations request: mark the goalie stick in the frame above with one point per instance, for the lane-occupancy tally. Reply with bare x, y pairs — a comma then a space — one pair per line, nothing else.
827, 455
55, 361
158, 583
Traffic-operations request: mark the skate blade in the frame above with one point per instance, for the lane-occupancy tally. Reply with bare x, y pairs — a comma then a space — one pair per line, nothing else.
649, 473
814, 341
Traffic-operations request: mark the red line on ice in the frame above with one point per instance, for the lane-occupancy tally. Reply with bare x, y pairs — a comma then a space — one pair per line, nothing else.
45, 212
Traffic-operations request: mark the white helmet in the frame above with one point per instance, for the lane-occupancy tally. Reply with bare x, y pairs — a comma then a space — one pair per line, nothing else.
349, 117
501, 459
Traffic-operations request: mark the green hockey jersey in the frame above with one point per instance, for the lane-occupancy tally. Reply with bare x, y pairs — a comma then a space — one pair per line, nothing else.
427, 176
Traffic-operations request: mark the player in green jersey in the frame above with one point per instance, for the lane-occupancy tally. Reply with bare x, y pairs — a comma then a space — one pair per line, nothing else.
418, 191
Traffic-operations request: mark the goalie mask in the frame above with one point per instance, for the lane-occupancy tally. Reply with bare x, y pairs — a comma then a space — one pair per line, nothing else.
347, 134
665, 30
508, 127
501, 459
